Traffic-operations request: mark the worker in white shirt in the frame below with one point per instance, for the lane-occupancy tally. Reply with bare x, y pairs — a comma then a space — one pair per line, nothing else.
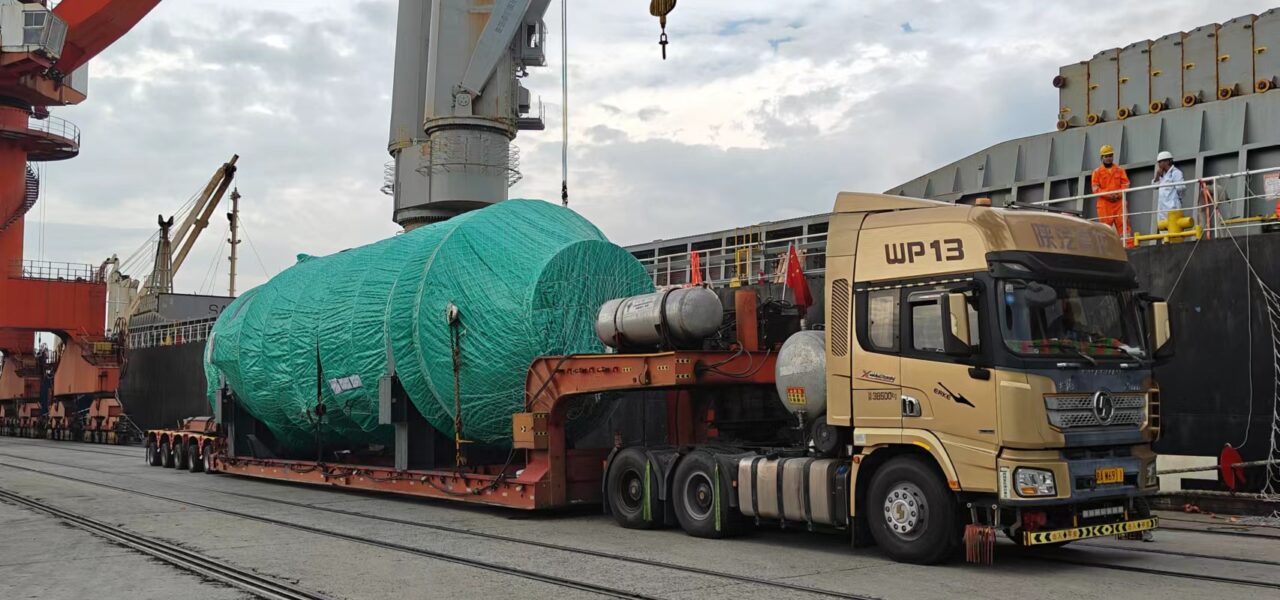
1170, 197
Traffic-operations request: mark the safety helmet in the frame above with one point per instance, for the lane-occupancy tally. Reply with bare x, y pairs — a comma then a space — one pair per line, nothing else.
1106, 149
1164, 155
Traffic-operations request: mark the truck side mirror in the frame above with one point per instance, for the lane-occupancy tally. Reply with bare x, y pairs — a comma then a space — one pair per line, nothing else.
955, 324
1161, 331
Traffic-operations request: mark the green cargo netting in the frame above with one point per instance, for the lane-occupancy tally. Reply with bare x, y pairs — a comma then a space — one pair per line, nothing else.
527, 276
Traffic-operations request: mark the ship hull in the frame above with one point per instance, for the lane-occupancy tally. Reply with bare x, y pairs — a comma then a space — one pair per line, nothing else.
162, 385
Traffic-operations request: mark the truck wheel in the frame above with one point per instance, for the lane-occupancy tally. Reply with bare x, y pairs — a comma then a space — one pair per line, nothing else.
195, 459
911, 512
153, 456
701, 498
182, 461
207, 458
633, 491
166, 454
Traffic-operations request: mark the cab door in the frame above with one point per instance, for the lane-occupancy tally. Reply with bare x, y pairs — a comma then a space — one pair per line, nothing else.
876, 372
955, 394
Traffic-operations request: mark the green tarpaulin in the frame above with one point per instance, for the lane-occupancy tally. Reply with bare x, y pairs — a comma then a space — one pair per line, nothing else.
527, 277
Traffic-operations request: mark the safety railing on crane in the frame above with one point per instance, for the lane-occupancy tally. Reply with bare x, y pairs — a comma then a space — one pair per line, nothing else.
1209, 206
55, 271
743, 263
54, 126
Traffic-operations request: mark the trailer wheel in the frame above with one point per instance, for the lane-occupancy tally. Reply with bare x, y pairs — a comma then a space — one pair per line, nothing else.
911, 512
206, 458
632, 487
181, 460
701, 498
195, 458
153, 456
166, 454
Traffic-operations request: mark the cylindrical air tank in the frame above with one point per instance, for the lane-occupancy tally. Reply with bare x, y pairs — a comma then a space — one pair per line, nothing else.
801, 373
679, 316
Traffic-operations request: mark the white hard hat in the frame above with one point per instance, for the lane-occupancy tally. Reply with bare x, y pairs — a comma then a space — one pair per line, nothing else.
1164, 155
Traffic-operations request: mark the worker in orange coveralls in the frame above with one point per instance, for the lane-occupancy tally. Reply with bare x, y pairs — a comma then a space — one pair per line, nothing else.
1110, 177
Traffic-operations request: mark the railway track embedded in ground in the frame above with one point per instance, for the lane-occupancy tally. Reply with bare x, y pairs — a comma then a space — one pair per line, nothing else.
1148, 570
689, 569
1164, 552
187, 560
67, 445
605, 590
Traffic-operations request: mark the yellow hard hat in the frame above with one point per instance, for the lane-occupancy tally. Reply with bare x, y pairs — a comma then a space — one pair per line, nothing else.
1106, 149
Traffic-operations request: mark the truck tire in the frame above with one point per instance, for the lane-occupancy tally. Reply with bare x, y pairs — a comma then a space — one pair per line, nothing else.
181, 460
633, 500
912, 513
207, 458
166, 454
153, 455
701, 498
195, 459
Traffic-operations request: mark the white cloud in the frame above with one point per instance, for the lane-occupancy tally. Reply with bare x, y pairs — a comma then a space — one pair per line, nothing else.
763, 111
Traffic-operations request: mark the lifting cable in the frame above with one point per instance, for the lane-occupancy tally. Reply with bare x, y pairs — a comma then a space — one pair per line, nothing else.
564, 103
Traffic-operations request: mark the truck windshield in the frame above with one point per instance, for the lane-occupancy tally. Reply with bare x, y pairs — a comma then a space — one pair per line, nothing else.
1050, 319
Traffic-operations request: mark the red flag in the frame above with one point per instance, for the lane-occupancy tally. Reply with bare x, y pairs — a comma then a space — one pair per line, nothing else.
796, 280
695, 269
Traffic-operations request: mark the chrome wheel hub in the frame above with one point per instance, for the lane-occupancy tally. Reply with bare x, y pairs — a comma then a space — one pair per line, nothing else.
904, 510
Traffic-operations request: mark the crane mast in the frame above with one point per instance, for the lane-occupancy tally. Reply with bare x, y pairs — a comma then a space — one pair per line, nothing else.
457, 103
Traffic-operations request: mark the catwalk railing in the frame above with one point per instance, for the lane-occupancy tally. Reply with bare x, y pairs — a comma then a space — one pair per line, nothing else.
55, 126
748, 262
1215, 204
170, 334
55, 271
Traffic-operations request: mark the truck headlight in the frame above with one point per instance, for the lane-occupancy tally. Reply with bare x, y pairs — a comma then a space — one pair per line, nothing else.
1152, 477
1034, 482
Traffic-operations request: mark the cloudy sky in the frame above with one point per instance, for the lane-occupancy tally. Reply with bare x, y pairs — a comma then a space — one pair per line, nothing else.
763, 111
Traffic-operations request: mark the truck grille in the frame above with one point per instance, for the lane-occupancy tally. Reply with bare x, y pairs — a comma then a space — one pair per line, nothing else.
1071, 411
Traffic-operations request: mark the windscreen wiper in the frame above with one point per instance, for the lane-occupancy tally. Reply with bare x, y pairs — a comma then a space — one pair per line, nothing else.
1076, 349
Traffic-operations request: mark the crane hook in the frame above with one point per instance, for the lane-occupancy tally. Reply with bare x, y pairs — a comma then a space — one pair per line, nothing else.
660, 9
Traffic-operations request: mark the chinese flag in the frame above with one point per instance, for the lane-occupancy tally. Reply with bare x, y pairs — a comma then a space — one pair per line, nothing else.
796, 280
695, 269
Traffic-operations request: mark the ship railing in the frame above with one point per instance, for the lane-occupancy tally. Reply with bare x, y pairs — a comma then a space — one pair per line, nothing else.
1216, 204
170, 334
55, 126
765, 262
55, 271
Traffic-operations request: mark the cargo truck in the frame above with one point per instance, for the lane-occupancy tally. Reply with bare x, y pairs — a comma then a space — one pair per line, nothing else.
980, 370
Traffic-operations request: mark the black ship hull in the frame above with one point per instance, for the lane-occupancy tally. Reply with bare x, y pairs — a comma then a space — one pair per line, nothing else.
162, 385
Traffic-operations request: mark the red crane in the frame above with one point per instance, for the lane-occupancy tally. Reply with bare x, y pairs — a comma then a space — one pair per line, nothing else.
41, 68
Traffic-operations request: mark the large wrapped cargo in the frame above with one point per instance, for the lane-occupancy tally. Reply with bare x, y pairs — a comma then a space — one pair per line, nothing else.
526, 277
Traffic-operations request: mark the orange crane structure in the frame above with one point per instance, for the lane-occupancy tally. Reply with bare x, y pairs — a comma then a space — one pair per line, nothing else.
43, 54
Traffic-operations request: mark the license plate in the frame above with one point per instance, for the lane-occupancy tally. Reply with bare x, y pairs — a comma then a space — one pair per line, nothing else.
1105, 476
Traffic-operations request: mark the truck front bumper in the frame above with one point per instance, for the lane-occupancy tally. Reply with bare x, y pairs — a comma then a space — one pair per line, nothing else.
1078, 480
1034, 538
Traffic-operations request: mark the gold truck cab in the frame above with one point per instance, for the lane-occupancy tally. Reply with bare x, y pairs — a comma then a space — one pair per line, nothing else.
997, 359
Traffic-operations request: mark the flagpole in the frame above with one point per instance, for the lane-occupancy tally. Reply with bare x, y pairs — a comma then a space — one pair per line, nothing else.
786, 273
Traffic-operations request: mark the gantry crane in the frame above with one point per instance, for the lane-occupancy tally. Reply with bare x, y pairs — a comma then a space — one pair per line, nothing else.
42, 66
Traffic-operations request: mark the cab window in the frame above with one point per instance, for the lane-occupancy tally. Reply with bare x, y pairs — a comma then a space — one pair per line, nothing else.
926, 321
882, 320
